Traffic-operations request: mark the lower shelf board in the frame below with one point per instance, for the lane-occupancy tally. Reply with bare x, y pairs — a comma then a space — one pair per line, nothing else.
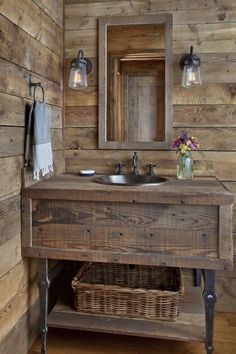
190, 325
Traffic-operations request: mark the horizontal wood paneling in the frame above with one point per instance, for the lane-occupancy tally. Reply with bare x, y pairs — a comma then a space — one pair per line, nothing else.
219, 139
39, 59
10, 218
16, 280
206, 163
17, 307
23, 333
13, 111
10, 254
31, 43
33, 20
10, 175
84, 116
53, 9
88, 97
204, 116
14, 80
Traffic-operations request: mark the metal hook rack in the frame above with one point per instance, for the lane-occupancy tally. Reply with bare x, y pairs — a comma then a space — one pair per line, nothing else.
34, 85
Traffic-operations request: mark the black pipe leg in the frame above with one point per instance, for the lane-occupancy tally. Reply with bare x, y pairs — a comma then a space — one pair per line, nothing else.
43, 284
209, 297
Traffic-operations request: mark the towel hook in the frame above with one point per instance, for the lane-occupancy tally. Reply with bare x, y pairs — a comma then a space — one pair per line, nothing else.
34, 85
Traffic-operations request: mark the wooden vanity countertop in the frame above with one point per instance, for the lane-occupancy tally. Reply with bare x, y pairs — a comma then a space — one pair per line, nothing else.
202, 190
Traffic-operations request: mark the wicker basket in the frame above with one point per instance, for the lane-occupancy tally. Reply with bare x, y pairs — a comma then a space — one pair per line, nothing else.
128, 290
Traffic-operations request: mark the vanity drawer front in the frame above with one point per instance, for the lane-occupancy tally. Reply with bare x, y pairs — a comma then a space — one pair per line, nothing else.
131, 228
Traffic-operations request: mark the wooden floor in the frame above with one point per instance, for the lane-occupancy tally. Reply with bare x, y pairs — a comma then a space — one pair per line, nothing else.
79, 342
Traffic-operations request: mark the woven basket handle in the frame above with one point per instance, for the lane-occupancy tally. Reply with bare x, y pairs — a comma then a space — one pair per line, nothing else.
77, 278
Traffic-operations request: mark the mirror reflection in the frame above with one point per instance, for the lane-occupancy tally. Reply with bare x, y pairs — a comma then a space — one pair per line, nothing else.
135, 75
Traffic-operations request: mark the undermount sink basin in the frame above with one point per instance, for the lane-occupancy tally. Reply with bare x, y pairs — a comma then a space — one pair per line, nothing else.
129, 180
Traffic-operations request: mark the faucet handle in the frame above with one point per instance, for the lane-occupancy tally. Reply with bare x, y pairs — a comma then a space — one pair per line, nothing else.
121, 166
151, 171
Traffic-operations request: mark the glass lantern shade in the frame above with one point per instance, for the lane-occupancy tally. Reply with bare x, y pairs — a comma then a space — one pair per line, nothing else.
80, 67
191, 76
190, 64
78, 75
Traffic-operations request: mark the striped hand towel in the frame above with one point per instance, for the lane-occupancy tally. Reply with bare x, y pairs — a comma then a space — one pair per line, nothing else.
38, 150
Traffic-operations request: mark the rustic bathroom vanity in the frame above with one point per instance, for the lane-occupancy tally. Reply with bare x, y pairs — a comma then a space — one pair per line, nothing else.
184, 224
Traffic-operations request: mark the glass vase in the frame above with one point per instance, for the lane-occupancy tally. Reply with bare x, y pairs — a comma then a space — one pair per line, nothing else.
185, 166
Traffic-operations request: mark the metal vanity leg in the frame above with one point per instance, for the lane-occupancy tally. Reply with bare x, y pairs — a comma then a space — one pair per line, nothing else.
209, 297
43, 284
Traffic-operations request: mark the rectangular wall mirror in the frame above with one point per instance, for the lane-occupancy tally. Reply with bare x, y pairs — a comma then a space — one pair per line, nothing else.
135, 82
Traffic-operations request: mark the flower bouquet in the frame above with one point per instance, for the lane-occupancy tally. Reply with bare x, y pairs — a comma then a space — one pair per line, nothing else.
183, 145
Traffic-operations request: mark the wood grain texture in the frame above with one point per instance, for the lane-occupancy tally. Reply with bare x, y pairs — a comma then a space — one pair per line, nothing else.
10, 220
15, 81
204, 116
189, 326
24, 333
39, 59
15, 281
81, 342
33, 20
10, 175
221, 164
125, 227
31, 43
86, 116
53, 9
10, 253
13, 111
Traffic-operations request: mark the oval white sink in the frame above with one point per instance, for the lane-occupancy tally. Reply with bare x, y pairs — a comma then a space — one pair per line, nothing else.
129, 180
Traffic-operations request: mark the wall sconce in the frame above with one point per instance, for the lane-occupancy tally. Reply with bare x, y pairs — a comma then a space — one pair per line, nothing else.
80, 67
190, 64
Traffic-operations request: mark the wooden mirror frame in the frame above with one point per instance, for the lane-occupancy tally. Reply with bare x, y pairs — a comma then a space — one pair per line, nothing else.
104, 22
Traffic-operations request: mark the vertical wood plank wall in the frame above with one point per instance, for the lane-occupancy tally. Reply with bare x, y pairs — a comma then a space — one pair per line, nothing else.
31, 42
207, 112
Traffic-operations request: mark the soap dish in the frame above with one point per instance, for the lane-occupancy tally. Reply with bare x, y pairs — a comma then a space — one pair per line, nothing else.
87, 173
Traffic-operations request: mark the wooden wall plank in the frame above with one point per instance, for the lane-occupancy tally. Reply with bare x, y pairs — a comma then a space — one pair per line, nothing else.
212, 14
10, 219
105, 162
212, 138
33, 20
13, 111
203, 115
88, 97
123, 8
84, 116
53, 8
39, 59
219, 139
83, 138
205, 94
222, 164
17, 279
10, 175
18, 305
13, 140
24, 333
10, 255
14, 80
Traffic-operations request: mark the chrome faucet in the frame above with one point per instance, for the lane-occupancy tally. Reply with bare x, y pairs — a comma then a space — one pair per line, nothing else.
135, 164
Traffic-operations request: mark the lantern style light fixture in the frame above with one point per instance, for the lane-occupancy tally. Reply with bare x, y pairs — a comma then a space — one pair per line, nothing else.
190, 64
80, 67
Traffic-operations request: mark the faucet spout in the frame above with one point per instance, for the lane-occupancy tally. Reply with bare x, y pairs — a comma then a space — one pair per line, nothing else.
135, 164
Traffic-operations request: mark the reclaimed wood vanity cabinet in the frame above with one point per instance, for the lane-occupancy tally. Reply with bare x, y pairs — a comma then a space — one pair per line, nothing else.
178, 224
